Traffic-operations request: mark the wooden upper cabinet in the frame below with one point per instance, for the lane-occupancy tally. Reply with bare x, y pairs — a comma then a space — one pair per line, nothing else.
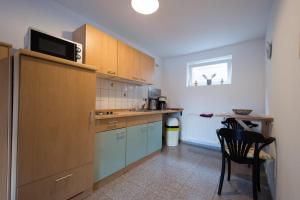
128, 62
100, 49
146, 68
113, 57
134, 65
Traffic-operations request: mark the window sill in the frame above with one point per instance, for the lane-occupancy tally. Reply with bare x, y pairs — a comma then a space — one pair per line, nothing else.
193, 86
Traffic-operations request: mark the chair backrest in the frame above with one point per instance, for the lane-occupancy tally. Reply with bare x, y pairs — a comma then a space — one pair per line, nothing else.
232, 124
238, 143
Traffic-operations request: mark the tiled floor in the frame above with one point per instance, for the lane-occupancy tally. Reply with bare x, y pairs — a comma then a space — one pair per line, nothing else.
184, 172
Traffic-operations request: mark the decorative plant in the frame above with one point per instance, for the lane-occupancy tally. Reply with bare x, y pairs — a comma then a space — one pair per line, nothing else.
209, 81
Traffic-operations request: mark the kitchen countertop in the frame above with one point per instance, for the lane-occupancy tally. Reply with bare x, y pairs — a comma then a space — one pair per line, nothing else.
137, 113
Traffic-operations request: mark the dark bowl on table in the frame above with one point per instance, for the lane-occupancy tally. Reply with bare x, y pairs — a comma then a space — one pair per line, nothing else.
242, 111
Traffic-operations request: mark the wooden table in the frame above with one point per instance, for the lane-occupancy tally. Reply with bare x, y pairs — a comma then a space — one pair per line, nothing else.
266, 121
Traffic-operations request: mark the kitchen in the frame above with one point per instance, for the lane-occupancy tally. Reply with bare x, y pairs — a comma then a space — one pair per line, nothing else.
48, 100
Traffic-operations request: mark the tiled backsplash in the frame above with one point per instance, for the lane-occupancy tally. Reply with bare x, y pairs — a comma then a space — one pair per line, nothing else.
118, 95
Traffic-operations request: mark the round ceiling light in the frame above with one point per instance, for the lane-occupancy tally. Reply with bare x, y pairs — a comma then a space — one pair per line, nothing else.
145, 7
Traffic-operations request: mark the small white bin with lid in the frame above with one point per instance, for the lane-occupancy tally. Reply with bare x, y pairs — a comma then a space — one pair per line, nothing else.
172, 132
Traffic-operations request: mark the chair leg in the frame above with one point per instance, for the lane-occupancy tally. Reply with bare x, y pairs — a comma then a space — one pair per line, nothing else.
254, 181
222, 176
229, 168
258, 177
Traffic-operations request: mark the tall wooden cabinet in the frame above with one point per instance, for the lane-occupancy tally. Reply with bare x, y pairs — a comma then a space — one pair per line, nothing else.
100, 49
55, 103
5, 119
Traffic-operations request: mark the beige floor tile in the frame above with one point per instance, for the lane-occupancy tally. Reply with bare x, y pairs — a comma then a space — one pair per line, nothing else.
181, 173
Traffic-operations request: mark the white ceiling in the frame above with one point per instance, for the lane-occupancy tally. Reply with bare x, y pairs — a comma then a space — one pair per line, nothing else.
180, 26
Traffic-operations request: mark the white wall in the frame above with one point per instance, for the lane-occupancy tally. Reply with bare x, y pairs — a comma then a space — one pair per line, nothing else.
17, 15
246, 91
283, 94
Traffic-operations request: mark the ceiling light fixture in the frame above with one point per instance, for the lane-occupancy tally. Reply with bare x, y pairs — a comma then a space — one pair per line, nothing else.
145, 7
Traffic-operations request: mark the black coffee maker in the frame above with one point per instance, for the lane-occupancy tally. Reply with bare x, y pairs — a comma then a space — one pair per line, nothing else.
162, 103
153, 95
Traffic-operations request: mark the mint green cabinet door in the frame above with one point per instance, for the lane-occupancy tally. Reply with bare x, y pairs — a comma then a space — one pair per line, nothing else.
109, 153
136, 146
154, 137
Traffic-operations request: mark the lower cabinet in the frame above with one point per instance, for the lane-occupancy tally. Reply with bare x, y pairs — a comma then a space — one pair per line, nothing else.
154, 137
116, 149
110, 149
136, 145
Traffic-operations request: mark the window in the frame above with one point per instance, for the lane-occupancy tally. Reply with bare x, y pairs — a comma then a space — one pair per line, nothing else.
216, 71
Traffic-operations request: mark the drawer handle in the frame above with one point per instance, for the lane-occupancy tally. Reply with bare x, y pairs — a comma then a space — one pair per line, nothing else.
64, 177
111, 125
113, 122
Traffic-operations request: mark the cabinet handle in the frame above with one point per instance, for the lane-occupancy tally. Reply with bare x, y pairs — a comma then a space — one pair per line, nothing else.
120, 136
110, 72
91, 119
64, 177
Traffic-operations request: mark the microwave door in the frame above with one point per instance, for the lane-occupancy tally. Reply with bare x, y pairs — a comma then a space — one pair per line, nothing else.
44, 43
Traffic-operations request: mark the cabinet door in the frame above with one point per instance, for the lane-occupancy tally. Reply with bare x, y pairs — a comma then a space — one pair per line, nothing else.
56, 125
109, 153
100, 49
154, 136
146, 68
128, 62
136, 146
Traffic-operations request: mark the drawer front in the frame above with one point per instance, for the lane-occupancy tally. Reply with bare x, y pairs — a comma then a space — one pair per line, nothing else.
59, 187
110, 124
154, 118
137, 120
143, 119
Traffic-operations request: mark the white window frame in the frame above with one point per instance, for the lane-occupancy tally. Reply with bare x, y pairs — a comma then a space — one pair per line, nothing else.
224, 59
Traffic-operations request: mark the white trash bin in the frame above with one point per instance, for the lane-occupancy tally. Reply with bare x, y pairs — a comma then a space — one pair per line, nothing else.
172, 132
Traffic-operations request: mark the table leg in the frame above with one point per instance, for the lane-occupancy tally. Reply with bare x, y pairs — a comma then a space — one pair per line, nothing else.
265, 128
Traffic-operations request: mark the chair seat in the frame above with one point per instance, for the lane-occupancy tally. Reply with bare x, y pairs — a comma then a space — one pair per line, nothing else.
262, 155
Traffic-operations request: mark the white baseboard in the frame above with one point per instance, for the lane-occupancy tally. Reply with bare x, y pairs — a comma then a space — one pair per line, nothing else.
201, 143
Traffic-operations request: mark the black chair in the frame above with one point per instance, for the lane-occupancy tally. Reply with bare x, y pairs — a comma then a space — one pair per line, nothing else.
250, 124
238, 149
233, 124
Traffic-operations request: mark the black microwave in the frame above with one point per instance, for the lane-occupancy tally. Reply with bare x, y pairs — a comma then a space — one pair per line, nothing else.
44, 43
